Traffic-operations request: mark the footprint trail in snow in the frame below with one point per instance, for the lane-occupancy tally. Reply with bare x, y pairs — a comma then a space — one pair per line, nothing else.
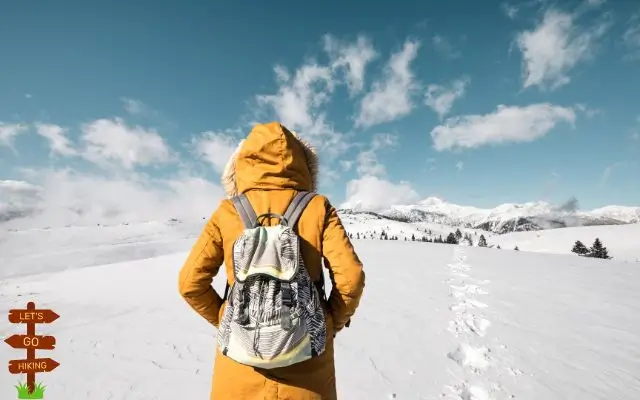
469, 326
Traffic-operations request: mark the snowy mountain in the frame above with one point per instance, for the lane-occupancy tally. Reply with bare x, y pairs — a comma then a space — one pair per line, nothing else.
504, 218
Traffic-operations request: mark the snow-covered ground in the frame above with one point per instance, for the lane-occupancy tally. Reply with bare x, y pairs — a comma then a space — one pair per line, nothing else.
465, 323
622, 241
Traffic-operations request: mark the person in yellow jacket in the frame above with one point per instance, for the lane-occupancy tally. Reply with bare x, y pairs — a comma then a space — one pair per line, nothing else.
270, 166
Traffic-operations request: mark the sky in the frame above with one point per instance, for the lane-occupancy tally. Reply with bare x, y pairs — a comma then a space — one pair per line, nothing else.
116, 109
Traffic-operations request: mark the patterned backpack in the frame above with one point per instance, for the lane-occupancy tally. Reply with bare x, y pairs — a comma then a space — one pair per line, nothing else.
273, 316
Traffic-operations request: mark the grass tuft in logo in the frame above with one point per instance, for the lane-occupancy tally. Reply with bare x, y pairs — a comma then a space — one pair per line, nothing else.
23, 391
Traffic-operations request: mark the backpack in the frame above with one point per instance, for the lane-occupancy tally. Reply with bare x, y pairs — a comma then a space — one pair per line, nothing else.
273, 317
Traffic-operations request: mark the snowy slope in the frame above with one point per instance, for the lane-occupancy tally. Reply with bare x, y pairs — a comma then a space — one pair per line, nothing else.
470, 323
55, 249
622, 241
506, 217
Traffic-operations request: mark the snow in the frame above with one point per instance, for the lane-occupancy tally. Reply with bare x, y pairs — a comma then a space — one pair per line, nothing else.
622, 241
436, 321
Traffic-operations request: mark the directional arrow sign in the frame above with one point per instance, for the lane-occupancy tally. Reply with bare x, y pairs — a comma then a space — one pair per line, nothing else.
31, 342
33, 316
32, 366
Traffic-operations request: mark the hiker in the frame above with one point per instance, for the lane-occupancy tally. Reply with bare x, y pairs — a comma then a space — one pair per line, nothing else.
273, 168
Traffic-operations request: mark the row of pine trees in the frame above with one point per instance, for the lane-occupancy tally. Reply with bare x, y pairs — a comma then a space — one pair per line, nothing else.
456, 237
597, 250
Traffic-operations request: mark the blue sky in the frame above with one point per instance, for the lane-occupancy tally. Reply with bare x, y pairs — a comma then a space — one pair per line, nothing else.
475, 102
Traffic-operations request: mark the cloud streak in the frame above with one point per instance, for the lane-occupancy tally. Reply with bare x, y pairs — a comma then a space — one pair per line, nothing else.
556, 46
56, 135
508, 124
352, 58
112, 142
391, 97
441, 98
8, 133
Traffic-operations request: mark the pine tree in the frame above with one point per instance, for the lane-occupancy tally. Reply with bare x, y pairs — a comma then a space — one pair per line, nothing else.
451, 239
482, 242
580, 249
357, 235
498, 247
458, 234
516, 248
598, 250
413, 237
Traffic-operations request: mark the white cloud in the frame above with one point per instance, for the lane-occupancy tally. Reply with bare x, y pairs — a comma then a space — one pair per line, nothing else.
364, 194
109, 141
555, 47
506, 124
58, 141
215, 148
300, 95
390, 97
346, 164
444, 47
367, 160
510, 10
441, 98
11, 187
631, 36
28, 95
8, 132
17, 199
383, 140
368, 164
459, 165
135, 107
61, 197
588, 111
298, 105
352, 57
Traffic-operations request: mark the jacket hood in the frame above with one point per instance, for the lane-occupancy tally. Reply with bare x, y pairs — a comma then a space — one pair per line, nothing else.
271, 157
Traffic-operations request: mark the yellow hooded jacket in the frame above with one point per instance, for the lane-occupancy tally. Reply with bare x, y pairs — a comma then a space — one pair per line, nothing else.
270, 165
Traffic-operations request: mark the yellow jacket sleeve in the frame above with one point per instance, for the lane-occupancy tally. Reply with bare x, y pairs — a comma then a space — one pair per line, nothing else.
202, 265
345, 270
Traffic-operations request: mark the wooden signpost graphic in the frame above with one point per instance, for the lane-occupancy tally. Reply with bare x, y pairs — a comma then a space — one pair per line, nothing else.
32, 342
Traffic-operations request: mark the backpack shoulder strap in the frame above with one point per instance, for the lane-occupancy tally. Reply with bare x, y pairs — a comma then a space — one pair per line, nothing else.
297, 206
244, 209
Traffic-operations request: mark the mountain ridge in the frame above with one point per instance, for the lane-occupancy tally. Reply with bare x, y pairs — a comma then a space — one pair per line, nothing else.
507, 217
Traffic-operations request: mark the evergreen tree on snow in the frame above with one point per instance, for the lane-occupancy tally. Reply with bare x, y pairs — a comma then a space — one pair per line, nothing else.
498, 247
580, 249
413, 237
598, 250
516, 248
452, 239
482, 242
458, 234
